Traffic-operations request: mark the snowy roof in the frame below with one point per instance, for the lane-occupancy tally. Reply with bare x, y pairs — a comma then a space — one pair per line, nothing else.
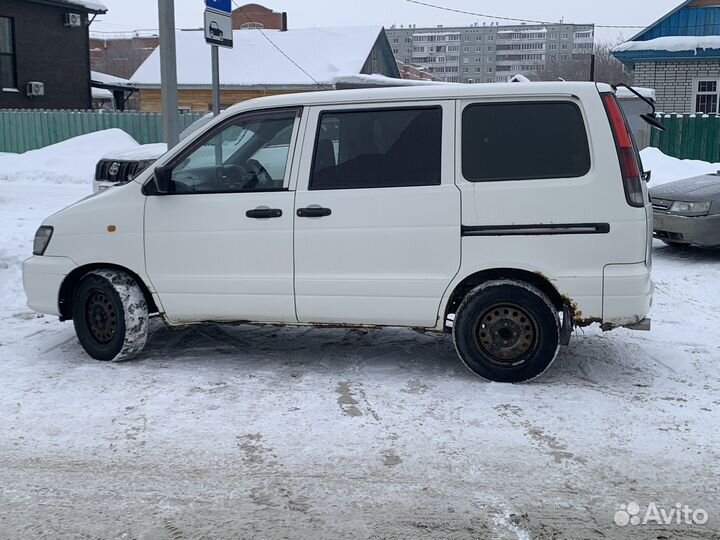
324, 53
105, 78
675, 21
101, 93
671, 44
93, 6
624, 93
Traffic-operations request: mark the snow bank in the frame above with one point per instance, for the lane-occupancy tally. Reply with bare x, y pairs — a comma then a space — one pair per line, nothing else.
668, 169
71, 161
671, 44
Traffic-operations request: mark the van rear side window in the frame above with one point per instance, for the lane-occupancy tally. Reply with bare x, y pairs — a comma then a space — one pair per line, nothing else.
524, 141
378, 148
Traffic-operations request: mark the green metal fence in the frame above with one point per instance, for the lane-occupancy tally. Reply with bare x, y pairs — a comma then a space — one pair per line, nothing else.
689, 137
23, 130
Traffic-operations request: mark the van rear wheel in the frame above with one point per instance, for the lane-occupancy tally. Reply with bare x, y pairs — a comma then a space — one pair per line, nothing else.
110, 315
507, 331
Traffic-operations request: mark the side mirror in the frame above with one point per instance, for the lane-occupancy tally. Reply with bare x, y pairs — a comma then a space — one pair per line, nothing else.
163, 178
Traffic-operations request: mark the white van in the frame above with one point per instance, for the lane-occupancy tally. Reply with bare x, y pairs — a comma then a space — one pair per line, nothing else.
503, 213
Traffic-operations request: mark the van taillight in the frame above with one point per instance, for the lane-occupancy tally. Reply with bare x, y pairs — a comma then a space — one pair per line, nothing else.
629, 162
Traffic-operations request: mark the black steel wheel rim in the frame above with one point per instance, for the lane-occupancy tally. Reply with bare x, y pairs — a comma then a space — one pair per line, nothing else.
507, 334
101, 317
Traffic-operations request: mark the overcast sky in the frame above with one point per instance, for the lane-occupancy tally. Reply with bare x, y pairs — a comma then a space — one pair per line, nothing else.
125, 15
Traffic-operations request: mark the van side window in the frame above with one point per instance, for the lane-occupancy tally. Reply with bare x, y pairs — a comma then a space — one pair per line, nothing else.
524, 141
248, 154
378, 148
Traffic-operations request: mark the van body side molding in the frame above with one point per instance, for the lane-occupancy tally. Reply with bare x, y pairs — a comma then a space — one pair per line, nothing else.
536, 230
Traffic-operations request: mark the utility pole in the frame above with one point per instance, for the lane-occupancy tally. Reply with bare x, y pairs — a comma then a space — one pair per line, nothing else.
168, 71
215, 57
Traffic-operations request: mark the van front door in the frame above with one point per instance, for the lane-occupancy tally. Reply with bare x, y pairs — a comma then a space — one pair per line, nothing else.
219, 245
377, 215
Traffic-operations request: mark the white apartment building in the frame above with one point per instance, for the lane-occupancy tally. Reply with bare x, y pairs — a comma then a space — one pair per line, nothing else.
485, 54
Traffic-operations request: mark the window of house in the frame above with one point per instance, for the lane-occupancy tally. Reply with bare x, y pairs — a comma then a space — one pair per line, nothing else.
706, 96
378, 148
8, 75
550, 137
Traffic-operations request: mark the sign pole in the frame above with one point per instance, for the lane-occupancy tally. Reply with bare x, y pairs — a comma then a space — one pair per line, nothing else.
215, 55
168, 71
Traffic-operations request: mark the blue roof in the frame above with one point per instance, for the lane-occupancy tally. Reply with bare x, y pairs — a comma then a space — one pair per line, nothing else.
684, 20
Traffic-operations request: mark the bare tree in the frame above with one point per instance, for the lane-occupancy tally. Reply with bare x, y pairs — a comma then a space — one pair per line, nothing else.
608, 69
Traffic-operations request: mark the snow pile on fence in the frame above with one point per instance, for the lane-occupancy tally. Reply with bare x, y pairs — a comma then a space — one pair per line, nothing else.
671, 44
70, 161
668, 169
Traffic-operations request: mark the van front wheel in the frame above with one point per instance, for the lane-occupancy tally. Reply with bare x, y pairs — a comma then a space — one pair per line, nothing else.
110, 315
507, 331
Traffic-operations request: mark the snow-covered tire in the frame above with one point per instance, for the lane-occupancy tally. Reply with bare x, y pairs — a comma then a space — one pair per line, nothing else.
110, 315
507, 331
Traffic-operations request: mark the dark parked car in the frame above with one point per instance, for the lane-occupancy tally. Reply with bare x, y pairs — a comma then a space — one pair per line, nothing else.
688, 211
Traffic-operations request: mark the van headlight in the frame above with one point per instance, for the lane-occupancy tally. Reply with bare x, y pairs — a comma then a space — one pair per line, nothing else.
42, 240
690, 208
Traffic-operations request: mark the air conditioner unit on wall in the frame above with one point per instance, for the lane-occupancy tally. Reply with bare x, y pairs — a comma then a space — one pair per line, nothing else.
73, 20
35, 88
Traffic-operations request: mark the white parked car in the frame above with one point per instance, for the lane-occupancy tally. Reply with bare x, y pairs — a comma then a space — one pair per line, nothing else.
504, 214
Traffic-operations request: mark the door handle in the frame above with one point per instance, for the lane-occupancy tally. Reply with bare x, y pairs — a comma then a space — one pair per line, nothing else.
264, 213
314, 211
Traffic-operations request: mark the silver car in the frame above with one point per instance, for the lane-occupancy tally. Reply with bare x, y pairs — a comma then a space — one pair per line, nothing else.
688, 211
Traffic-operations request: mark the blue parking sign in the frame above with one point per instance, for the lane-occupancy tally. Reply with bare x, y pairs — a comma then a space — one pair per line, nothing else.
223, 6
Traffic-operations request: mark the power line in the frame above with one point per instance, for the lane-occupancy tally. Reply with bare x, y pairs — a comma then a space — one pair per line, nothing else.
255, 24
486, 16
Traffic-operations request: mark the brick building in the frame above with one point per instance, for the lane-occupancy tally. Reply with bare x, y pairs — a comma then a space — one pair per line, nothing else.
44, 60
257, 16
679, 56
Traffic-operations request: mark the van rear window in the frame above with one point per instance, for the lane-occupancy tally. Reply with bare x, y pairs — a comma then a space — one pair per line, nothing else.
524, 141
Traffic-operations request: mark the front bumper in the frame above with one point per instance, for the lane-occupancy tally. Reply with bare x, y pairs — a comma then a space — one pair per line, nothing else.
42, 278
702, 231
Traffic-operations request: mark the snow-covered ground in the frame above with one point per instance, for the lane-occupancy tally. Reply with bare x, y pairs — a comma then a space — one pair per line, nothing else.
240, 431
